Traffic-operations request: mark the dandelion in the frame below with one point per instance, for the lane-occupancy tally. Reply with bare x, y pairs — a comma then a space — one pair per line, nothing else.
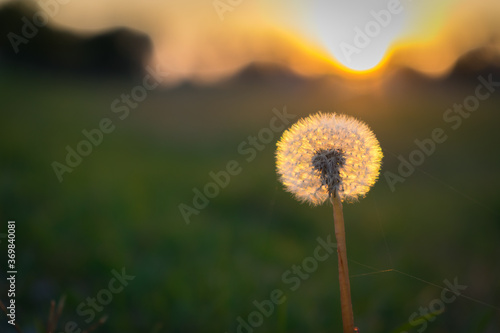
328, 138
336, 157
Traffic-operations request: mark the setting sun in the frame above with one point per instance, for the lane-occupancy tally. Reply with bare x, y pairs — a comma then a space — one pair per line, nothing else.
360, 37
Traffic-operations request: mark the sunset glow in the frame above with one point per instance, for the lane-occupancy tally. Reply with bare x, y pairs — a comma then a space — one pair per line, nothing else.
198, 40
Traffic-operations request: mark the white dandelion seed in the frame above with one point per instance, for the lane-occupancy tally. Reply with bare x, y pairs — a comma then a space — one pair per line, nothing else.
328, 153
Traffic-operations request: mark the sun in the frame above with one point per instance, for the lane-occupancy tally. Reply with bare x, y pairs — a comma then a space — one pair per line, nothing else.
358, 39
367, 66
363, 65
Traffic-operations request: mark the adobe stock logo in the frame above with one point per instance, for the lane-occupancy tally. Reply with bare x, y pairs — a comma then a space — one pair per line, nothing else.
40, 19
221, 7
249, 148
372, 29
293, 279
94, 137
453, 117
104, 297
437, 306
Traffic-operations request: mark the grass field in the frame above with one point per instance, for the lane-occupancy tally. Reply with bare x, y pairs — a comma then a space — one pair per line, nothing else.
119, 209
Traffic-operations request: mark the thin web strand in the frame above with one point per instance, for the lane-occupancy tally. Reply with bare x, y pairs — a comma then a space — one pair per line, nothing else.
492, 211
380, 271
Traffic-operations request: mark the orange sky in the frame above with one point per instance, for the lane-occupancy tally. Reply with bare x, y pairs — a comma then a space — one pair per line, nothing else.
194, 40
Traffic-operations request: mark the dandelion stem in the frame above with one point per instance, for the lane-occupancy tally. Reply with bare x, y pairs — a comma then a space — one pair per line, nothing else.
345, 288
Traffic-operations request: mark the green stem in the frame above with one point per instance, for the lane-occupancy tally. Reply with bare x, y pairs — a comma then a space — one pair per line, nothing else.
345, 288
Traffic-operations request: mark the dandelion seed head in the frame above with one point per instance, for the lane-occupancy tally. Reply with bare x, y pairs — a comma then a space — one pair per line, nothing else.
328, 153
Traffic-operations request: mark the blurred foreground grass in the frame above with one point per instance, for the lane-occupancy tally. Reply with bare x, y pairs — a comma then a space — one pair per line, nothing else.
119, 208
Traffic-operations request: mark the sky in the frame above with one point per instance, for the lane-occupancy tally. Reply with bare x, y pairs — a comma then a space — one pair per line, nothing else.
206, 40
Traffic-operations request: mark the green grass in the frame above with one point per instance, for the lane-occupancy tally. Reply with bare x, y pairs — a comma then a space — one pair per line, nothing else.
119, 208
